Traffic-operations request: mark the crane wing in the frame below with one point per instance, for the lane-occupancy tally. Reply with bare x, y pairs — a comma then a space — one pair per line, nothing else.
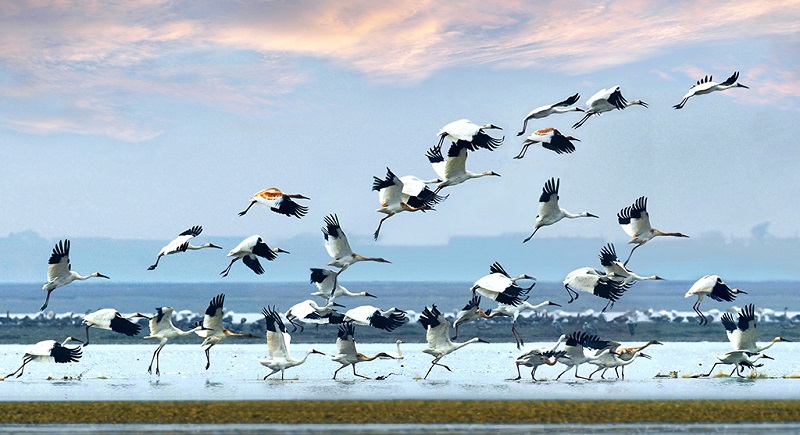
548, 200
213, 316
277, 338
436, 160
345, 341
634, 219
456, 160
59, 261
335, 240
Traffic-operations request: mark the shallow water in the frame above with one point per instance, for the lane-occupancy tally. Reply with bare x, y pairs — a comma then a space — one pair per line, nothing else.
479, 371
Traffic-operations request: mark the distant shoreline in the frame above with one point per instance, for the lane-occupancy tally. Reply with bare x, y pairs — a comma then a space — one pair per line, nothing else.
402, 411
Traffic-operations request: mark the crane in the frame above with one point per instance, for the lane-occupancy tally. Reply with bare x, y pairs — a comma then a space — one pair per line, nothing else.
181, 244
279, 202
60, 273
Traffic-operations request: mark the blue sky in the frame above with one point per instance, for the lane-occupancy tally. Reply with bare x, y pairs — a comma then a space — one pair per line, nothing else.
141, 119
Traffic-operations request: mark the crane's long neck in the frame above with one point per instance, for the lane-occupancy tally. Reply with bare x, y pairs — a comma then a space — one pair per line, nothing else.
457, 346
765, 347
195, 248
662, 233
364, 358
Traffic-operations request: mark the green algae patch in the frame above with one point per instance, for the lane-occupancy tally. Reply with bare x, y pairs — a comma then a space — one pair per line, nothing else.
403, 411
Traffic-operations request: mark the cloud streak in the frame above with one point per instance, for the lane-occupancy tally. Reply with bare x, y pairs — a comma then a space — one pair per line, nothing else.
218, 54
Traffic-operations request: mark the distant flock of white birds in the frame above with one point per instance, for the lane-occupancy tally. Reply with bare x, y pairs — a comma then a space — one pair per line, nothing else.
409, 193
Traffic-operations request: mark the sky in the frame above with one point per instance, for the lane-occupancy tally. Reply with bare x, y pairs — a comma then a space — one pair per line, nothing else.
138, 120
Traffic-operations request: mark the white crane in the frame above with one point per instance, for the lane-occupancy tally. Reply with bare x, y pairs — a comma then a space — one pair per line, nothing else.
550, 139
706, 86
514, 311
535, 357
367, 315
606, 100
591, 281
474, 134
438, 337
549, 210
467, 314
309, 312
328, 289
278, 202
742, 333
713, 287
501, 287
49, 350
60, 273
162, 329
248, 251
339, 248
454, 170
551, 109
346, 352
739, 359
181, 244
399, 194
635, 221
278, 341
575, 345
111, 320
619, 357
213, 329
616, 270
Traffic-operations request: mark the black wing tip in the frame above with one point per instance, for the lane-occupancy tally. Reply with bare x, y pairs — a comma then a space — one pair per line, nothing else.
193, 231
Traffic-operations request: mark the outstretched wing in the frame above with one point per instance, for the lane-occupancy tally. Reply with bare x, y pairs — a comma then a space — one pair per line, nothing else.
335, 240
213, 317
59, 261
548, 201
634, 219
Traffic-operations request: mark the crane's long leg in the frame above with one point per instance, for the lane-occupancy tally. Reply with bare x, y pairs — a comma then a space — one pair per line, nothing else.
592, 373
155, 357
354, 372
156, 263
337, 371
336, 277
609, 304
531, 236
208, 356
228, 269
629, 255
573, 295
524, 127
533, 373
273, 372
378, 231
242, 213
46, 300
579, 376
585, 117
87, 336
696, 308
519, 375
559, 376
517, 336
21, 368
429, 371
710, 371
522, 151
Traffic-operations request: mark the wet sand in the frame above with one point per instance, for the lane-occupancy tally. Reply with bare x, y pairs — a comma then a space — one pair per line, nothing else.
403, 411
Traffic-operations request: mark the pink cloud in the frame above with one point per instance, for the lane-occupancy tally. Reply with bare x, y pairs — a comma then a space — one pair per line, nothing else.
73, 49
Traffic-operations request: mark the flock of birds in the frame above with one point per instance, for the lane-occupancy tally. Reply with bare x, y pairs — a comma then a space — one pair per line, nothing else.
409, 193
